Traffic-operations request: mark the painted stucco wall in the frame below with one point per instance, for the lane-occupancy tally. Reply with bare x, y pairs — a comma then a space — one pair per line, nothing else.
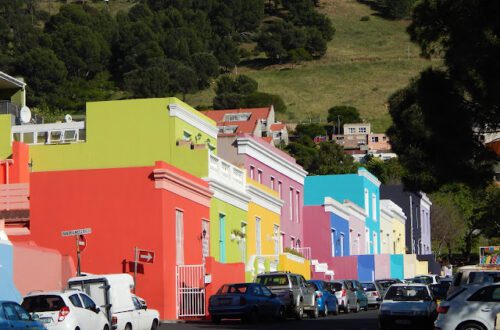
422, 267
386, 235
366, 267
317, 232
351, 187
341, 227
8, 290
234, 216
294, 264
399, 236
397, 266
344, 267
123, 214
5, 136
268, 220
128, 133
357, 229
382, 266
410, 265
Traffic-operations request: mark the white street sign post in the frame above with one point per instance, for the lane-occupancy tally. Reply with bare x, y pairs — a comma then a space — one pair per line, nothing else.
144, 256
77, 233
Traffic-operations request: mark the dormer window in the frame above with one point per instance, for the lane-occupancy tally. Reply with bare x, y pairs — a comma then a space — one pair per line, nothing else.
237, 116
227, 129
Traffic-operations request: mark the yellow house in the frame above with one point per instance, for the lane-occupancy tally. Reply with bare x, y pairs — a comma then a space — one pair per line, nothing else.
386, 226
397, 234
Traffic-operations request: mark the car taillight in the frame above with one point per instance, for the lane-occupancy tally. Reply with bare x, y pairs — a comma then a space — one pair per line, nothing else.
319, 294
343, 292
63, 312
243, 301
443, 309
114, 320
375, 293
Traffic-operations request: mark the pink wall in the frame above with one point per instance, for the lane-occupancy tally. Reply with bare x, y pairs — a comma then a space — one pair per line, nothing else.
344, 267
357, 229
382, 266
317, 231
53, 268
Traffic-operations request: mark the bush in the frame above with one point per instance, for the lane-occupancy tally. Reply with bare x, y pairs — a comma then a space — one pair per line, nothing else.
294, 252
365, 18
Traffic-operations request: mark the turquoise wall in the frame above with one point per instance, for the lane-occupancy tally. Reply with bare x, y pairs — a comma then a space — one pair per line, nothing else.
397, 266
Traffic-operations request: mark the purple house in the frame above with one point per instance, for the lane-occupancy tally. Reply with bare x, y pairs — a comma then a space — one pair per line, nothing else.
275, 169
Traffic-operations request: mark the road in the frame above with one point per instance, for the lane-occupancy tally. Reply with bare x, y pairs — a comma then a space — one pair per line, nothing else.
353, 321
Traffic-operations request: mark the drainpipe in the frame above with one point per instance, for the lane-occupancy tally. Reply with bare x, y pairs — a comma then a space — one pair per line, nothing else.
7, 163
411, 225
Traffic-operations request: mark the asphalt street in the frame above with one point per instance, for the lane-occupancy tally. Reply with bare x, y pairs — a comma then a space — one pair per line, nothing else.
352, 321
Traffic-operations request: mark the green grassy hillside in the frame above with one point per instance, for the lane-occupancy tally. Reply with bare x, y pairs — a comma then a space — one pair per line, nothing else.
366, 62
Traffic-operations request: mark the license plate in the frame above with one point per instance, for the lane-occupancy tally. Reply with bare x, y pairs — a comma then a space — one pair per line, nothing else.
402, 322
45, 320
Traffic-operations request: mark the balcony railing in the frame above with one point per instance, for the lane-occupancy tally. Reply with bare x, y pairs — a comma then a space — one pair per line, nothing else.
7, 107
305, 251
226, 173
55, 133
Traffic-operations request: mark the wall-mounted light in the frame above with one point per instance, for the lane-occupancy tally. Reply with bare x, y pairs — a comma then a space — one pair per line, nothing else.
203, 234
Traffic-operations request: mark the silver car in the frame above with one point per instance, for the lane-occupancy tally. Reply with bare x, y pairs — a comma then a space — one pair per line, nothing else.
407, 305
474, 308
372, 291
346, 295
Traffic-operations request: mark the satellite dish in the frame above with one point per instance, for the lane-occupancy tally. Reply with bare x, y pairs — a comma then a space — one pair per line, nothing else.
25, 114
68, 118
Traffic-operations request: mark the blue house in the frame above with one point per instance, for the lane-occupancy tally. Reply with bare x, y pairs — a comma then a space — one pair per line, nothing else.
339, 227
8, 290
362, 188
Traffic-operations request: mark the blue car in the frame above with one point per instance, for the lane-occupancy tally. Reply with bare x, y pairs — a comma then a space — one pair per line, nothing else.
13, 316
246, 301
325, 298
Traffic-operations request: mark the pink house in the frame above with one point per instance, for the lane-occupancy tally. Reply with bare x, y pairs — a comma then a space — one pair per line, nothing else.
357, 228
275, 169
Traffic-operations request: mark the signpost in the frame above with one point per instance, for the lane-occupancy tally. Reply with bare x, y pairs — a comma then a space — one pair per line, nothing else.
81, 242
144, 256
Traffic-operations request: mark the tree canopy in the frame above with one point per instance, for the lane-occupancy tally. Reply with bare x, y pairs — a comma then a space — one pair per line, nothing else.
342, 114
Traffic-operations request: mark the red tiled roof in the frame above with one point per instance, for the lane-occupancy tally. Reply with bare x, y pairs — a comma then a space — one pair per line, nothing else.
277, 127
247, 126
268, 139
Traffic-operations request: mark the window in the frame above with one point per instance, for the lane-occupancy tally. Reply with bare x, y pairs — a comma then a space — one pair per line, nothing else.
374, 207
10, 312
279, 189
272, 183
374, 138
237, 116
367, 241
282, 245
186, 136
297, 199
367, 212
252, 172
179, 237
375, 243
87, 302
227, 129
292, 242
75, 300
259, 176
487, 294
341, 244
22, 313
276, 237
258, 245
352, 130
333, 234
291, 204
362, 129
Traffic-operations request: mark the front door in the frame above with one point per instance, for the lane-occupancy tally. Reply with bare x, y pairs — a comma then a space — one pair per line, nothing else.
222, 238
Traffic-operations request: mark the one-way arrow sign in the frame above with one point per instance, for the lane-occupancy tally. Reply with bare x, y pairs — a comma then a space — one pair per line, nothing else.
146, 256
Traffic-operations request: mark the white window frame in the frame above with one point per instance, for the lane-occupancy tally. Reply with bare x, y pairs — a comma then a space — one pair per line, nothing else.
280, 189
290, 200
367, 202
272, 182
342, 239
374, 206
297, 198
252, 172
258, 236
259, 175
179, 236
333, 236
375, 243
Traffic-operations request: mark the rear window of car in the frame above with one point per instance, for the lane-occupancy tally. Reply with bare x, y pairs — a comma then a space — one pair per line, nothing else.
233, 288
369, 286
385, 284
337, 286
43, 303
484, 277
273, 280
407, 293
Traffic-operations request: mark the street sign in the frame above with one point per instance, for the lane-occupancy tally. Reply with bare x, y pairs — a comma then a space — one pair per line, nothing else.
76, 232
82, 243
145, 256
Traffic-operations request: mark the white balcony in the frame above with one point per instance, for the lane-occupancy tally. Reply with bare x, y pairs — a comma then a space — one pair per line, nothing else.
226, 173
55, 133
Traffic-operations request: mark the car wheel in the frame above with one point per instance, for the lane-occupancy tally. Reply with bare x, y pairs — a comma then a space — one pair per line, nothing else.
105, 327
216, 319
325, 312
154, 326
299, 313
128, 326
336, 311
315, 312
347, 308
357, 308
471, 326
280, 313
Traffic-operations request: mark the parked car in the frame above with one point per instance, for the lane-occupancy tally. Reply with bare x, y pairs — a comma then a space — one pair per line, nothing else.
350, 295
13, 316
325, 298
429, 279
473, 275
406, 305
298, 296
471, 308
372, 291
385, 284
71, 309
112, 292
247, 301
440, 291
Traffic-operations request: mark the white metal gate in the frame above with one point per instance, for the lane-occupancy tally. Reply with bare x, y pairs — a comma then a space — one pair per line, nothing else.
190, 295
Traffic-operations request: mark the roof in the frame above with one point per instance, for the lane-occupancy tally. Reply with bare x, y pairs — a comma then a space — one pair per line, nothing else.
268, 139
277, 127
246, 126
7, 81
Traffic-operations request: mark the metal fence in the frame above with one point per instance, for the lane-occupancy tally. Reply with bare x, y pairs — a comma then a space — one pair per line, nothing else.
190, 283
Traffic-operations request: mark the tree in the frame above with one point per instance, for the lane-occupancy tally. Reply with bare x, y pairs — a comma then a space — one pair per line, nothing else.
387, 171
149, 82
342, 114
260, 99
398, 8
207, 68
310, 131
333, 160
240, 84
185, 80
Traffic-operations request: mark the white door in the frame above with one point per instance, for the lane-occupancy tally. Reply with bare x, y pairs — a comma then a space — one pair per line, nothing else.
276, 236
258, 242
179, 236
89, 319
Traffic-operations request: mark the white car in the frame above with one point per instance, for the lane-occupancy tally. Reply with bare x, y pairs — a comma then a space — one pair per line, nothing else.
473, 308
68, 310
429, 279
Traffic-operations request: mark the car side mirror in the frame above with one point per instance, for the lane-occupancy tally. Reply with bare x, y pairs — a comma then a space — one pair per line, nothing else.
97, 310
144, 306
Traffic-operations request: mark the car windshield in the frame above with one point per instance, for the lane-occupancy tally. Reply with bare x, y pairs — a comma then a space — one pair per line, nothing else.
233, 288
273, 280
45, 303
423, 279
407, 293
484, 277
369, 286
386, 283
337, 286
